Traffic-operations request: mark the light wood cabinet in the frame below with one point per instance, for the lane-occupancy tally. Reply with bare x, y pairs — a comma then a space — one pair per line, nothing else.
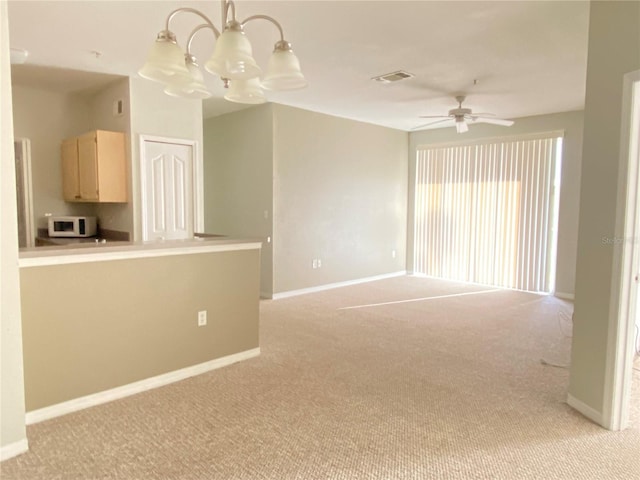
94, 167
70, 184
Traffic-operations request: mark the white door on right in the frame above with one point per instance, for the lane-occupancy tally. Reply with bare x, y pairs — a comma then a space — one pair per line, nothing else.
167, 190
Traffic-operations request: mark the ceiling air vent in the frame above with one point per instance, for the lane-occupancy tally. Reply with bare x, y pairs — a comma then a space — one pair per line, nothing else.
393, 77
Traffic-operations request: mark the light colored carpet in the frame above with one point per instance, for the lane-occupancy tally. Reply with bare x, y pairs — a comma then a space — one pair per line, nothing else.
448, 388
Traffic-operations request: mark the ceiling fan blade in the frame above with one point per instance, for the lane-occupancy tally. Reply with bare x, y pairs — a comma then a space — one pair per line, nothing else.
441, 120
435, 116
430, 124
493, 121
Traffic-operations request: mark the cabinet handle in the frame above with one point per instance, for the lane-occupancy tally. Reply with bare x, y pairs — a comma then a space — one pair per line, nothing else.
78, 196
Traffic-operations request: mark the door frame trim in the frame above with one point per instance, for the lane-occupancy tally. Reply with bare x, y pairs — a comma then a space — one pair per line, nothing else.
198, 178
620, 342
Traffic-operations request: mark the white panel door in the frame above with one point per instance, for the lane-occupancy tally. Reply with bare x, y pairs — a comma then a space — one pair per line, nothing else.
167, 193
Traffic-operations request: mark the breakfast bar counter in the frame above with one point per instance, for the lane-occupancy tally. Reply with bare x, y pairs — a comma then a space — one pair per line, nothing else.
114, 250
101, 321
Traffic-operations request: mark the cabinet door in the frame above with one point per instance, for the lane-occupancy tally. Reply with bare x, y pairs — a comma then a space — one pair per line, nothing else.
70, 180
112, 175
88, 167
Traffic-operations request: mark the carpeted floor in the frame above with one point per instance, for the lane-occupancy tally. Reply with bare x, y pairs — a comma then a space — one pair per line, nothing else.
441, 388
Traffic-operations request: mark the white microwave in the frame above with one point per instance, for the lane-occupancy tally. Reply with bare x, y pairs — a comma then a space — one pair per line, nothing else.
72, 226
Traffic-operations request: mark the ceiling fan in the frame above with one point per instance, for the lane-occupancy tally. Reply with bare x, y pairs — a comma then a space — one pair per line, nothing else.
462, 117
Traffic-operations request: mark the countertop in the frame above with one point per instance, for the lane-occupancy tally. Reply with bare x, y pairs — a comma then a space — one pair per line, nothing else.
120, 250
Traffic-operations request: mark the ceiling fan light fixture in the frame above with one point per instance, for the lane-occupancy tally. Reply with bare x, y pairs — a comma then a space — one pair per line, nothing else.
461, 117
461, 125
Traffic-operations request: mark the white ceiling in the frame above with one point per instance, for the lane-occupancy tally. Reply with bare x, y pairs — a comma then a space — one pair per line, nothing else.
528, 57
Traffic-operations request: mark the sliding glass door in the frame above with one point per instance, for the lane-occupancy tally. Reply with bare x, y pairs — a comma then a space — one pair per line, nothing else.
487, 212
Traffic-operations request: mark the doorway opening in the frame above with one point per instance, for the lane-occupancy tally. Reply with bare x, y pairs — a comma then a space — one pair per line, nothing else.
623, 334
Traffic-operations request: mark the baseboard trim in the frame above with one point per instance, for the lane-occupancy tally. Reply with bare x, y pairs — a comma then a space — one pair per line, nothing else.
564, 296
14, 449
584, 409
99, 398
329, 286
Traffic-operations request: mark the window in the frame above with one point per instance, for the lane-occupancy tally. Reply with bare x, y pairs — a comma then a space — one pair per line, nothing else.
487, 212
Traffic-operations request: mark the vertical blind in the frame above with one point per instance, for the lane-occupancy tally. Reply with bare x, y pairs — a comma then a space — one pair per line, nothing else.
486, 213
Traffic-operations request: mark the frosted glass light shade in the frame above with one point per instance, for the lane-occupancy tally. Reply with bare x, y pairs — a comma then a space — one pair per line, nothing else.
188, 86
461, 126
233, 57
165, 60
245, 91
283, 72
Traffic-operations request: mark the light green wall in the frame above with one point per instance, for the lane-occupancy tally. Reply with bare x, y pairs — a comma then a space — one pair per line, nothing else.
12, 427
238, 186
340, 195
332, 189
571, 124
155, 113
614, 49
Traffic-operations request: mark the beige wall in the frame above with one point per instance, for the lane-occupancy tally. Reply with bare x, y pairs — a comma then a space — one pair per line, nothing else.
155, 113
47, 117
238, 185
79, 341
614, 49
571, 124
340, 195
113, 216
12, 427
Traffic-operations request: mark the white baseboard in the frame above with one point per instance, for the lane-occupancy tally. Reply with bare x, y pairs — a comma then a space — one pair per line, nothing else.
329, 286
99, 398
564, 296
14, 449
584, 409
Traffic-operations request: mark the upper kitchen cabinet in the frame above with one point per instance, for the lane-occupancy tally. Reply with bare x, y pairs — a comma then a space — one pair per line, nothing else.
94, 167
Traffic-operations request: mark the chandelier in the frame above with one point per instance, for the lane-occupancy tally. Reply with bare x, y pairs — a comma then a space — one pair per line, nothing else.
232, 61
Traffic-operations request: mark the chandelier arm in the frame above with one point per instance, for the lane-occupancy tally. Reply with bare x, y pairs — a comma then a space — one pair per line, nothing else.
196, 30
191, 10
268, 18
229, 4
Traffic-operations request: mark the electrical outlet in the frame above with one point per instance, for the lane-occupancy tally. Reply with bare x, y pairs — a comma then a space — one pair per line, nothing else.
393, 254
314, 263
202, 318
319, 263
